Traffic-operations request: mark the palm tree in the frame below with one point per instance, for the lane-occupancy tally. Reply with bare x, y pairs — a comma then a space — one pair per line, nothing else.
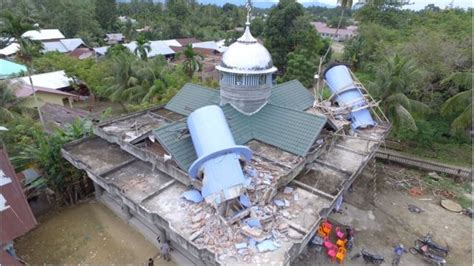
122, 77
394, 78
143, 48
9, 104
191, 63
13, 28
459, 103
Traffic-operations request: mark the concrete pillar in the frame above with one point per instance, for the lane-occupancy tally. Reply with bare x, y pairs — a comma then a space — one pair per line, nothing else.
97, 190
126, 211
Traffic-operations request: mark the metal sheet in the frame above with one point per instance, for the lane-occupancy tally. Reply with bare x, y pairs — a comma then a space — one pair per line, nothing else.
16, 218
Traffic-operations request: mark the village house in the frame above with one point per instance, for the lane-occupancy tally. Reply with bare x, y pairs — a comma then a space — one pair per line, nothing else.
9, 69
342, 34
52, 87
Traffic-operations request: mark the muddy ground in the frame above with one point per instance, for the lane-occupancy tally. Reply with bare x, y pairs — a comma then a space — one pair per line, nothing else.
382, 220
87, 233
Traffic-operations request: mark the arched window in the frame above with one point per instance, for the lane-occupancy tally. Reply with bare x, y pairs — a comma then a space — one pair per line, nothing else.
262, 80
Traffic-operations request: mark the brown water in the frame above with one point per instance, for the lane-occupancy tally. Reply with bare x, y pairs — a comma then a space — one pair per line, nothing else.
84, 233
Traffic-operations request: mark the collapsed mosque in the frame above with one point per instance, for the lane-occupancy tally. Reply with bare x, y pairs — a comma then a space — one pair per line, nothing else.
242, 174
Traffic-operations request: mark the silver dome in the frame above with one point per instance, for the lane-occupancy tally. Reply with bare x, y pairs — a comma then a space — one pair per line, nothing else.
247, 56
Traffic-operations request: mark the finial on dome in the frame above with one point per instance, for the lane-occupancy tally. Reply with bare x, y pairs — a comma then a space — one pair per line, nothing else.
249, 10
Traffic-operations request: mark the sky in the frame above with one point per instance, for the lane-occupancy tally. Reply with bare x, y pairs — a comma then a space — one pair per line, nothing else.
417, 4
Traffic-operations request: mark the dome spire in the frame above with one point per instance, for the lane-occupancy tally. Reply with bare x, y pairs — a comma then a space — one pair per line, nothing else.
249, 10
247, 36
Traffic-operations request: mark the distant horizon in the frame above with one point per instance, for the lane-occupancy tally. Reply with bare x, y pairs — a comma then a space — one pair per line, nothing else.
414, 4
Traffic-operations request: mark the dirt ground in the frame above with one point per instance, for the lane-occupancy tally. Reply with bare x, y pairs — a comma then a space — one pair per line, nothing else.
87, 233
382, 220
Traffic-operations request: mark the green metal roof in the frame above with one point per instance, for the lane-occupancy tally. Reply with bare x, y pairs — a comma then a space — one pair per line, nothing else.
290, 130
192, 97
9, 69
293, 95
176, 140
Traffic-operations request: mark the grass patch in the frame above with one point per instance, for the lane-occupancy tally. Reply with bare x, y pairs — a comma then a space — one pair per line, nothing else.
458, 189
448, 153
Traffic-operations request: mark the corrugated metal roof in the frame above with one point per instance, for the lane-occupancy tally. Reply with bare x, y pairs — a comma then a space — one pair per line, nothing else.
159, 48
72, 44
8, 69
51, 80
10, 49
54, 47
16, 216
101, 50
192, 97
176, 140
42, 35
293, 95
290, 130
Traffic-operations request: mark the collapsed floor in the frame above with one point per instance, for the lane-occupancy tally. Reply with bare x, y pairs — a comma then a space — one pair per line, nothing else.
289, 195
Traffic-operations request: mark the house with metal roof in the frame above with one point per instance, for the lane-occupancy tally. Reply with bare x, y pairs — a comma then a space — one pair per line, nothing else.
240, 174
51, 87
9, 69
44, 35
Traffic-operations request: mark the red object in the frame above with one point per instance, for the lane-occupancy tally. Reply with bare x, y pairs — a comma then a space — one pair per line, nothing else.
327, 244
339, 233
16, 217
332, 253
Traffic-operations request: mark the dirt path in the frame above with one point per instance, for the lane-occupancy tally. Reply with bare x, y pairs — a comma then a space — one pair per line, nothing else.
383, 221
85, 233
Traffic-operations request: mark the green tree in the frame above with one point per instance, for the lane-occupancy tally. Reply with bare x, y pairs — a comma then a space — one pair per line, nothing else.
460, 104
280, 31
13, 27
143, 48
393, 81
10, 107
121, 77
44, 151
191, 62
105, 13
301, 66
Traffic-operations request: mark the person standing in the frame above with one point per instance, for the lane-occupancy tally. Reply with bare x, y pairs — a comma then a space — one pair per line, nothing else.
165, 250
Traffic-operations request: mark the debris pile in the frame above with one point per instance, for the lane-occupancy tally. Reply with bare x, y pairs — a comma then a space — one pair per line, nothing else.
256, 222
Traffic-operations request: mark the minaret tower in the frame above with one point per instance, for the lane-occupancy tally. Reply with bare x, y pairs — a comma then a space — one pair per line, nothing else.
245, 73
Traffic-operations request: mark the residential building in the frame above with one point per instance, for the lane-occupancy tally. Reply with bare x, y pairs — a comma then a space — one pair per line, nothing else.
342, 34
44, 35
52, 87
114, 38
9, 69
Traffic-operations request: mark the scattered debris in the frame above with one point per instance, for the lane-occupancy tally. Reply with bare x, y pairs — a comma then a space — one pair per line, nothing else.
267, 245
416, 192
193, 195
288, 190
451, 205
434, 176
414, 209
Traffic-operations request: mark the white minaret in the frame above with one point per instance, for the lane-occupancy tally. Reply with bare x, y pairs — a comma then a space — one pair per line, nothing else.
245, 73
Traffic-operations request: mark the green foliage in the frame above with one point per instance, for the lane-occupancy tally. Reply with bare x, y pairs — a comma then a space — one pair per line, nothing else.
191, 62
44, 151
105, 13
393, 80
143, 48
301, 66
287, 30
